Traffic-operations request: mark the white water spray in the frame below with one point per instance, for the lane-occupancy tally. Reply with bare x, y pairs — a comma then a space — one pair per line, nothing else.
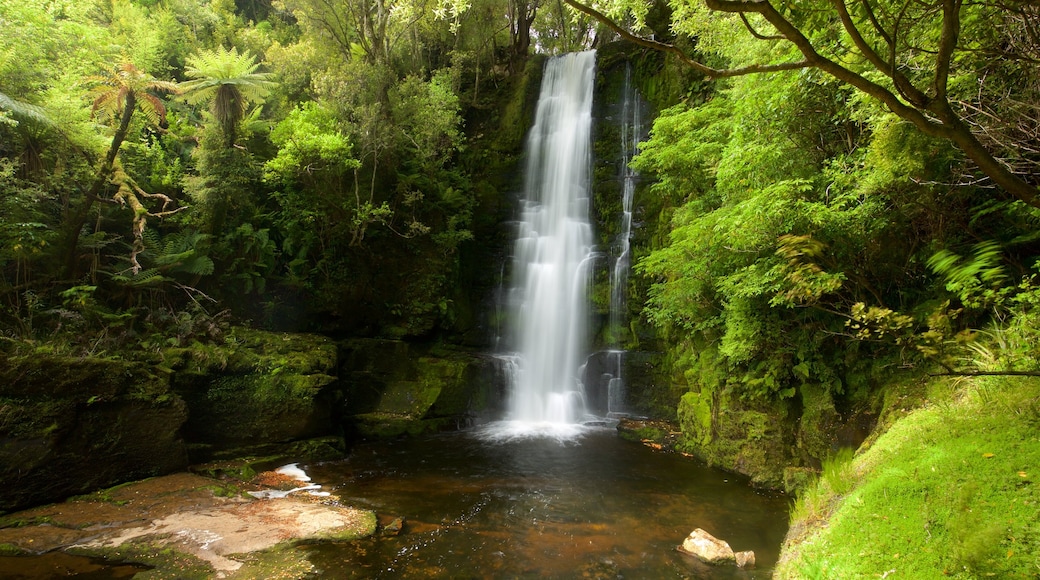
553, 254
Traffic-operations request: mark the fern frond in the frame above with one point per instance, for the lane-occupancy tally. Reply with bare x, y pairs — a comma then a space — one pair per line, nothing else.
24, 110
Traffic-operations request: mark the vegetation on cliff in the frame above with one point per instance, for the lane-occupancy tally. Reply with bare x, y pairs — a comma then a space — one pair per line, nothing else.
840, 195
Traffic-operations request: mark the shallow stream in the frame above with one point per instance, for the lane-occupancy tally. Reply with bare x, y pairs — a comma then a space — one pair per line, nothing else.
594, 506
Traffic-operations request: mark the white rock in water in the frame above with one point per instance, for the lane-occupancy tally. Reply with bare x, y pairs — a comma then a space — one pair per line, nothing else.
294, 472
707, 547
745, 559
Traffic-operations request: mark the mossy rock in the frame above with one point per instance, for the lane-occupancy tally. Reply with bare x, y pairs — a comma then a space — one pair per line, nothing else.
257, 388
11, 550
72, 425
387, 425
395, 388
819, 422
798, 478
727, 433
662, 435
167, 563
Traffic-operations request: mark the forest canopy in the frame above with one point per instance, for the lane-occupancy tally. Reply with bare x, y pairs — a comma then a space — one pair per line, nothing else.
823, 176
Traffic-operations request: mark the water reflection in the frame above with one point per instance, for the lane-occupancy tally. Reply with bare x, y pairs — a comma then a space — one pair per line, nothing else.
593, 506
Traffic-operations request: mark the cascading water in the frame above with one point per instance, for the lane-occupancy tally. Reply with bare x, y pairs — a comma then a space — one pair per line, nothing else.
553, 253
631, 133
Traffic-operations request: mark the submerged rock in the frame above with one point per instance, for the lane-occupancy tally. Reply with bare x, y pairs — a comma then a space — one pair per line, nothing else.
394, 528
745, 559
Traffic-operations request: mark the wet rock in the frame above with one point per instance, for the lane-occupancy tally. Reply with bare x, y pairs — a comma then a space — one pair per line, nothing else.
745, 559
71, 425
707, 547
186, 529
394, 388
654, 433
393, 528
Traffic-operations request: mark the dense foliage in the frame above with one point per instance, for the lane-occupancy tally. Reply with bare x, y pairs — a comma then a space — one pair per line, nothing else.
816, 236
295, 162
307, 161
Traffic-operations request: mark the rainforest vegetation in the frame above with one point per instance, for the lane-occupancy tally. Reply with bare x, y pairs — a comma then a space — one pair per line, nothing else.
840, 213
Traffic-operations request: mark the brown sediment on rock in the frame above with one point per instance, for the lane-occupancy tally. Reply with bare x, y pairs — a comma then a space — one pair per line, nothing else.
182, 512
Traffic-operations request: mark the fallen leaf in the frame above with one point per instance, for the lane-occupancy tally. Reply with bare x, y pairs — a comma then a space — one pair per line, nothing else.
989, 455
1023, 474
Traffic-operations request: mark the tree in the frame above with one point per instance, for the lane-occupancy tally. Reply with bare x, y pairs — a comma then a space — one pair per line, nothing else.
521, 17
910, 56
229, 81
118, 95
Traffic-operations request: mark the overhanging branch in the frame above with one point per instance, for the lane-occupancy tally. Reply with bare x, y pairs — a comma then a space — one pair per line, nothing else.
678, 53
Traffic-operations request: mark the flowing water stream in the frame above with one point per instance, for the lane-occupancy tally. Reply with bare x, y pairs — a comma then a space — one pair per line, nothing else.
593, 507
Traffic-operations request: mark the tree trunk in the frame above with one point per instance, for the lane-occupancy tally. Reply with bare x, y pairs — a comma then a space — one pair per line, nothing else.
79, 219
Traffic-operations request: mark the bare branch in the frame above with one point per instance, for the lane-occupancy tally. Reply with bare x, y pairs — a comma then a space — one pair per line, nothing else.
755, 33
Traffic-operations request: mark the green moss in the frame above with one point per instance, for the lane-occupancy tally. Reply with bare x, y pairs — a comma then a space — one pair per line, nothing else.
287, 560
365, 526
281, 561
167, 563
798, 478
947, 491
695, 418
752, 441
518, 111
819, 420
10, 550
644, 434
17, 522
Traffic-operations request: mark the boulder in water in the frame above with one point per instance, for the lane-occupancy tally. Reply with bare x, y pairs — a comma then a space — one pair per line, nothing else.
745, 559
707, 547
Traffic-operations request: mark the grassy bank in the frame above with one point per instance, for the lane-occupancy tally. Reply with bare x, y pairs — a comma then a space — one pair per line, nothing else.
951, 490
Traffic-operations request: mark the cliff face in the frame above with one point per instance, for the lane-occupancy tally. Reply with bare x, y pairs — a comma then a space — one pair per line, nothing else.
70, 425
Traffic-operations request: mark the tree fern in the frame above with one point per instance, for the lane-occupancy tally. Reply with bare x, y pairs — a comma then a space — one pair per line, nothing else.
227, 80
19, 109
127, 84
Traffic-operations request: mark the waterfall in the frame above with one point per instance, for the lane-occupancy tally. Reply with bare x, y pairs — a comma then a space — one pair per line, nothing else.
631, 132
553, 253
631, 125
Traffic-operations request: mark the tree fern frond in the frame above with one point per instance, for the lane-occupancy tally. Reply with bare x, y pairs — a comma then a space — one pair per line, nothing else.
147, 277
24, 110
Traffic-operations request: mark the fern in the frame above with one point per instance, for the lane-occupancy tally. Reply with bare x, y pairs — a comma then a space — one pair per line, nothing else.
178, 252
974, 280
144, 278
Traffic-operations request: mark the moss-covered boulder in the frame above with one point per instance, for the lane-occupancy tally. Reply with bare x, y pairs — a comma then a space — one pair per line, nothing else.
734, 435
256, 388
71, 425
395, 388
